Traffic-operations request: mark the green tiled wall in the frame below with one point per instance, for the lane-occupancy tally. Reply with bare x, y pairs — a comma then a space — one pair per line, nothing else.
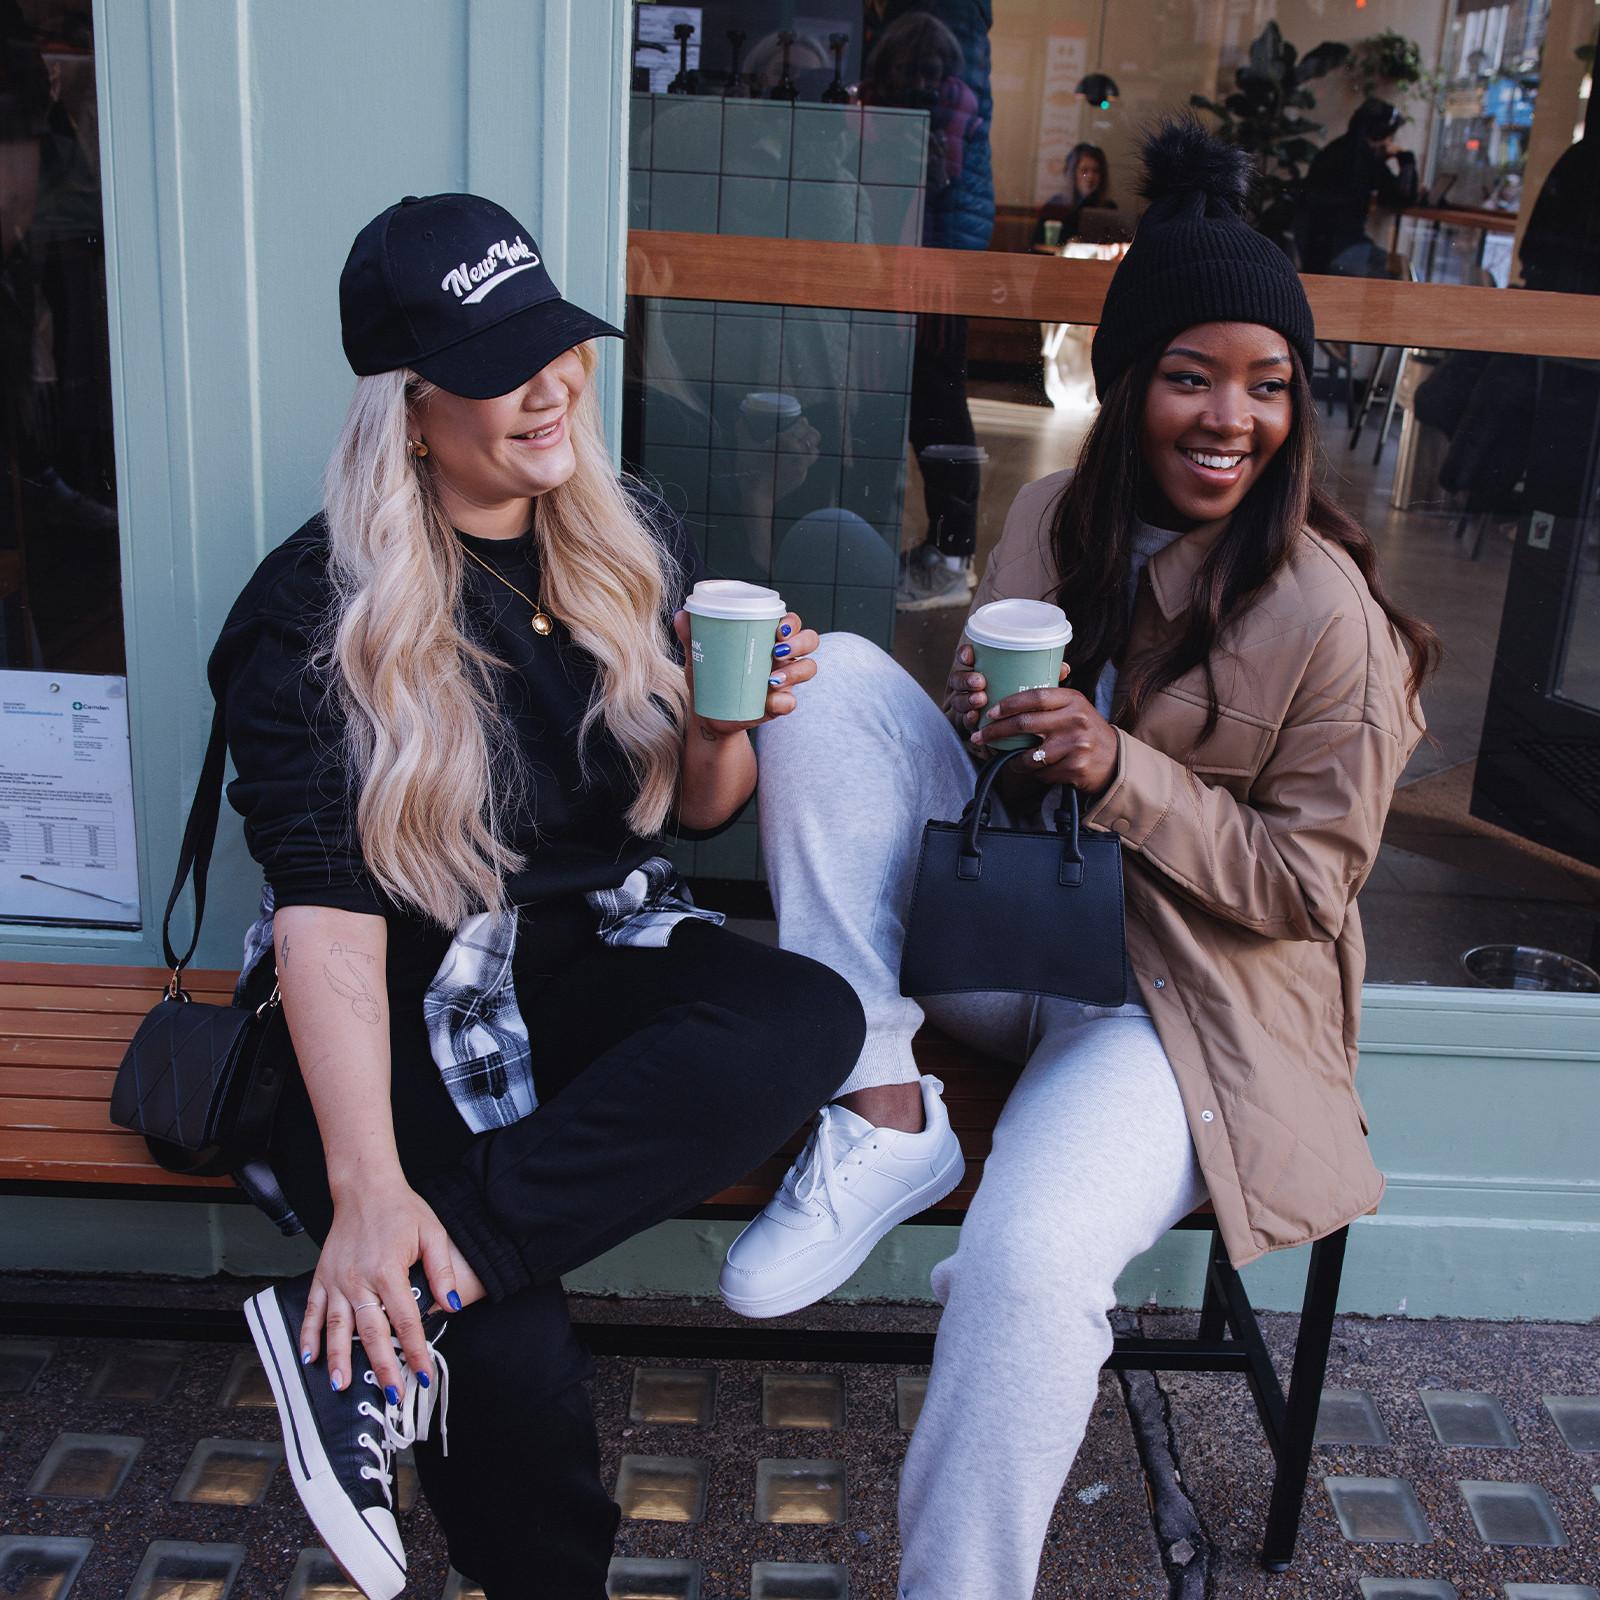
831, 538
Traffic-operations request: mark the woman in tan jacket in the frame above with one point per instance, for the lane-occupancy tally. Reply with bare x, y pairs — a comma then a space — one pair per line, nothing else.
1239, 701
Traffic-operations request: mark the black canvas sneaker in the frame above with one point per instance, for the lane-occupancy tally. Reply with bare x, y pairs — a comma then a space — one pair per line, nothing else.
340, 1445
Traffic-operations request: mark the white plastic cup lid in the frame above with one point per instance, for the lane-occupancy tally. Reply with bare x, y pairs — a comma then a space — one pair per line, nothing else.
1019, 625
770, 403
734, 600
954, 454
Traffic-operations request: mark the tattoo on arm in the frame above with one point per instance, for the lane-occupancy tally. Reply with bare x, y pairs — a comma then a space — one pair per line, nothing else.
352, 985
283, 955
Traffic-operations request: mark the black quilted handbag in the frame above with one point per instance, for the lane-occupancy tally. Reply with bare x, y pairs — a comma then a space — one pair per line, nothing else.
1023, 910
201, 1082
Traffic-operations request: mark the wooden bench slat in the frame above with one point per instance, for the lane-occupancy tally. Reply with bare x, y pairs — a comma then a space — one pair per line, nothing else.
29, 1055
65, 1025
132, 1003
55, 1115
87, 975
53, 1083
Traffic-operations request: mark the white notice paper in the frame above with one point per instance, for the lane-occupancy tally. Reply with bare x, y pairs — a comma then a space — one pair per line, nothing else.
66, 801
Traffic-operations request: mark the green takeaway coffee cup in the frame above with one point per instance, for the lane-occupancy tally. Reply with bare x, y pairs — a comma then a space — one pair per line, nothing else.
732, 629
1016, 645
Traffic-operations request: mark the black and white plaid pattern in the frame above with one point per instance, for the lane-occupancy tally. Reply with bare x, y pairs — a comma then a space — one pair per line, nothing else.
475, 1029
476, 1034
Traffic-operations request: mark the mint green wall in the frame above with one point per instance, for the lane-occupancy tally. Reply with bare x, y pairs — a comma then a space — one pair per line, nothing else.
244, 143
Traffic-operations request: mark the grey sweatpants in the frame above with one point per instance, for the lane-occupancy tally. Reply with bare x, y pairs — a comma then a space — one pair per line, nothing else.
1092, 1160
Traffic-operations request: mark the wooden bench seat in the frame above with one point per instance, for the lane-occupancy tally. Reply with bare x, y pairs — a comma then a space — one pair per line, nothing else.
63, 1029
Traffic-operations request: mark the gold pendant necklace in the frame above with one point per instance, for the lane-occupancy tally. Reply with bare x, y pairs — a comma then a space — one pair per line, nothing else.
541, 623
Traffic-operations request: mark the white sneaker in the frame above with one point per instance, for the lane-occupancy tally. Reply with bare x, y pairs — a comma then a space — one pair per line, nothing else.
850, 1185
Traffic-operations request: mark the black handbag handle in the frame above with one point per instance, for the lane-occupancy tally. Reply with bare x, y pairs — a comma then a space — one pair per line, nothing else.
199, 835
969, 860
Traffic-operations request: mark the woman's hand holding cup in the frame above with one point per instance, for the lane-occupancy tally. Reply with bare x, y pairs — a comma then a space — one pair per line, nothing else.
1077, 746
740, 688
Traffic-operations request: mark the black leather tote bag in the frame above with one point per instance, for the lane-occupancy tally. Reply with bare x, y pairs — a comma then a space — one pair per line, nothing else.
1013, 909
201, 1082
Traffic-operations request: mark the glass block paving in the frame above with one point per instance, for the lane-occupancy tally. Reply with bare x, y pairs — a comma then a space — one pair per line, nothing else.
800, 1491
798, 1580
140, 1375
229, 1472
1551, 1591
1378, 1511
21, 1362
316, 1576
246, 1383
802, 1400
1350, 1416
41, 1568
174, 1570
1466, 1419
1577, 1416
909, 1392
631, 1578
662, 1488
1512, 1513
684, 1397
1408, 1589
85, 1466
94, 1464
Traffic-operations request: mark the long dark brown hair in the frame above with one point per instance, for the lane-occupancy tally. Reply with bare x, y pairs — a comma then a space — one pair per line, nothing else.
1093, 539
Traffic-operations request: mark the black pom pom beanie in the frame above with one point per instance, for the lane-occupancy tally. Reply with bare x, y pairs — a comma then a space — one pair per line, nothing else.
1194, 259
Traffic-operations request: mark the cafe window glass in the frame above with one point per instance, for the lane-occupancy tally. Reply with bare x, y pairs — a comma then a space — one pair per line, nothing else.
66, 832
834, 450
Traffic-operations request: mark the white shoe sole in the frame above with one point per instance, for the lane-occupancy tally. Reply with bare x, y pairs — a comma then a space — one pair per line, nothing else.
796, 1296
367, 1561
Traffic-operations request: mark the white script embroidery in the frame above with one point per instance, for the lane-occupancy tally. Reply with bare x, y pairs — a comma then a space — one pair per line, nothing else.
517, 254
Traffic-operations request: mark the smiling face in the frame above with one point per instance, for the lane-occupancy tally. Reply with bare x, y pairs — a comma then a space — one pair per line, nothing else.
491, 459
1218, 409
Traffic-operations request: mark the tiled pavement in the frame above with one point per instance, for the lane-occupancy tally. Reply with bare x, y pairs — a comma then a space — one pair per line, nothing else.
1457, 1459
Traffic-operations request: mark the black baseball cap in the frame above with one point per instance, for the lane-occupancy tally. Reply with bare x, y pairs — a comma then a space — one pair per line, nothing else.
453, 286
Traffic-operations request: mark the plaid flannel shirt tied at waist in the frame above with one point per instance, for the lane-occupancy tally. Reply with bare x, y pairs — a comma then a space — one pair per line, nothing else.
476, 1033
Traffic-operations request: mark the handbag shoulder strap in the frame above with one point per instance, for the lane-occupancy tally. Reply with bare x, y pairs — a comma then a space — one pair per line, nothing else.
199, 835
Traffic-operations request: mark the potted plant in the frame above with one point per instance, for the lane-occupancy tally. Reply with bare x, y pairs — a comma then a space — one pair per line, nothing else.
1264, 115
1390, 61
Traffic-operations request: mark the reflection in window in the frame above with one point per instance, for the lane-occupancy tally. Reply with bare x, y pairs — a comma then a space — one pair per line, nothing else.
790, 435
60, 586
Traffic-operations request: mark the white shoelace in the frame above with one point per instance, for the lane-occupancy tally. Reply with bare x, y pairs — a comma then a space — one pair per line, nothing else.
402, 1425
809, 1185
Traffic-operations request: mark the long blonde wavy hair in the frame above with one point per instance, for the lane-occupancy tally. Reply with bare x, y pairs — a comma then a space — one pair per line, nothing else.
429, 755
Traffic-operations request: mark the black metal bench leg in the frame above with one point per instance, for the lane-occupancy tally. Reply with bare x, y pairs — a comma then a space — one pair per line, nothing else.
1304, 1398
1213, 1313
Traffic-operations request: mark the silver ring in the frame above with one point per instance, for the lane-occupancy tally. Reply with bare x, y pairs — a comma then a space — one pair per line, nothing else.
1039, 756
366, 1305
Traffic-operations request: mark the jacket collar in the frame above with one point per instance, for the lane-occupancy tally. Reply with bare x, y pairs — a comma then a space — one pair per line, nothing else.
1172, 570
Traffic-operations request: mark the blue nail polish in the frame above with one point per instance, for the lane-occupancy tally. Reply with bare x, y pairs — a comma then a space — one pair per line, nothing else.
391, 1394
333, 1381
424, 1380
454, 1300
305, 1358
785, 631
776, 682
782, 650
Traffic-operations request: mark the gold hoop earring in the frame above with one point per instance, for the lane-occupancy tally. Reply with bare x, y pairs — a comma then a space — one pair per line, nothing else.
419, 448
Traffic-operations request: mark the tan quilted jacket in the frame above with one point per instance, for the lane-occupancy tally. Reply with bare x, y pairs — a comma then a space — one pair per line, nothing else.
1244, 858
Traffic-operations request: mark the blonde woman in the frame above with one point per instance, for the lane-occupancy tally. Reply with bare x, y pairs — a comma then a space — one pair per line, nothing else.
461, 721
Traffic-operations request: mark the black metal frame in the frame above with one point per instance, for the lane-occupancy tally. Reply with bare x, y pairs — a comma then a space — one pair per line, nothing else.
1228, 1339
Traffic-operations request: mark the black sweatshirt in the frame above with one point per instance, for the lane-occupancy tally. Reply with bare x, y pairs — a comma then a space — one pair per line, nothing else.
285, 734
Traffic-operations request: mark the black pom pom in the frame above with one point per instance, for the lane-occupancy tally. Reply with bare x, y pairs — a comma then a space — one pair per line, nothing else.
1181, 157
